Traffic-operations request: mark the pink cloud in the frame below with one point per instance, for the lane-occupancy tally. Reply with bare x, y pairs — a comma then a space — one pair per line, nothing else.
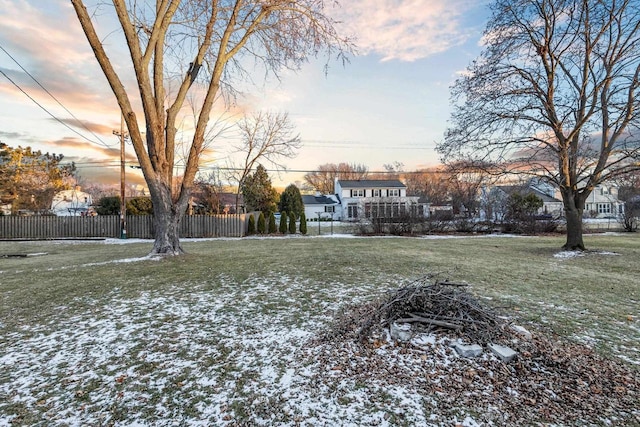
405, 30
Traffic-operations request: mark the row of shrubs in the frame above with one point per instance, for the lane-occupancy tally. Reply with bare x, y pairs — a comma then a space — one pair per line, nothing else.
287, 224
414, 225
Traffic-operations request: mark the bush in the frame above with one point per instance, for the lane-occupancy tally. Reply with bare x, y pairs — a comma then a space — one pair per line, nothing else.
261, 224
252, 225
292, 223
272, 223
283, 223
303, 224
630, 217
108, 205
140, 206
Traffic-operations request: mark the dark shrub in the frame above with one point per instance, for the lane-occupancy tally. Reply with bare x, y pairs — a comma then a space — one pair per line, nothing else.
272, 224
292, 223
252, 225
283, 223
303, 224
262, 227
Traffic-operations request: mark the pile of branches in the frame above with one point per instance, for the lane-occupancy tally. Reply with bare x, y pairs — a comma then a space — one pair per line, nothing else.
430, 306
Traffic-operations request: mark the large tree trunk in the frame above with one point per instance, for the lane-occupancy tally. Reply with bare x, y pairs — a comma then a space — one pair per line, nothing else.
167, 216
574, 230
573, 209
167, 229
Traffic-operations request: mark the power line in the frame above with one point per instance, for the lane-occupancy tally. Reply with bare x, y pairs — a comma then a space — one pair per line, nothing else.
101, 142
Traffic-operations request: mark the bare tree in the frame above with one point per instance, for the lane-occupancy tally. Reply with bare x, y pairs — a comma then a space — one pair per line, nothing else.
393, 170
323, 179
432, 184
465, 184
207, 192
554, 94
178, 47
265, 137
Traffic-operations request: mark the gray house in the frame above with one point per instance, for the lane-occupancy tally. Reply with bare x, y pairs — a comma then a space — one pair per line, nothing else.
321, 206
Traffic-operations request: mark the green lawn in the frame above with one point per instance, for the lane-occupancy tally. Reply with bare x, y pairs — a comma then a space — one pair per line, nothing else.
94, 333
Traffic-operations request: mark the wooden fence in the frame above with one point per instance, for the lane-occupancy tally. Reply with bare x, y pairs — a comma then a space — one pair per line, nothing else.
138, 226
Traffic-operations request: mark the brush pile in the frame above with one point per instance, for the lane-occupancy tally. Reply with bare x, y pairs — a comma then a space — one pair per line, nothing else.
429, 306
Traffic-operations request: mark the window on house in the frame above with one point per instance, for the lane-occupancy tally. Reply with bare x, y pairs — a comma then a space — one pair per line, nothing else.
357, 193
604, 208
329, 209
374, 210
394, 192
352, 210
377, 193
396, 209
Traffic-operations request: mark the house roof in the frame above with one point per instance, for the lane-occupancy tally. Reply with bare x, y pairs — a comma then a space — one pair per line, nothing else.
318, 200
510, 189
372, 183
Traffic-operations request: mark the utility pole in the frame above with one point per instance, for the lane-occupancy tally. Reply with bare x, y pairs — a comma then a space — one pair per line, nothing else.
123, 204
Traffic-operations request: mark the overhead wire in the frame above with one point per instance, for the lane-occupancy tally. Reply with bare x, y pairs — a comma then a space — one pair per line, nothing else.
100, 141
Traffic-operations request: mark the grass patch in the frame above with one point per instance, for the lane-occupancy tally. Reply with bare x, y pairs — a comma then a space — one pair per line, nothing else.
96, 333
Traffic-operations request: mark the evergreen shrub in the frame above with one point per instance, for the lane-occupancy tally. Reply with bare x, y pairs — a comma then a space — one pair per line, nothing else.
272, 224
262, 228
252, 225
292, 223
283, 222
303, 224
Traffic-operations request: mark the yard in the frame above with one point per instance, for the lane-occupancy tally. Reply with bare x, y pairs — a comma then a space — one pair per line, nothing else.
96, 333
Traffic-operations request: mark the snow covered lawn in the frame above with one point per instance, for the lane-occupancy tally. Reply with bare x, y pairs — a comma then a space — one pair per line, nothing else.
222, 353
227, 349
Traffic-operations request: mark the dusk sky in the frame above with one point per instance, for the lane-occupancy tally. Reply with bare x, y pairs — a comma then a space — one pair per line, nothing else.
390, 104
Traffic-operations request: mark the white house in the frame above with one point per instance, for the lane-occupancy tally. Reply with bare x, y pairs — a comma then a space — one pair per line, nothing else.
603, 202
374, 198
320, 206
72, 203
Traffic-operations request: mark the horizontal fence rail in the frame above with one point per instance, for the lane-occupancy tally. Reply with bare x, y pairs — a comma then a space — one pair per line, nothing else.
106, 226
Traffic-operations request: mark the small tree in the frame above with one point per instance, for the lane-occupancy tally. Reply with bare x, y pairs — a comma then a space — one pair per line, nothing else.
630, 217
291, 201
252, 225
266, 137
292, 223
259, 194
283, 222
272, 223
303, 224
261, 224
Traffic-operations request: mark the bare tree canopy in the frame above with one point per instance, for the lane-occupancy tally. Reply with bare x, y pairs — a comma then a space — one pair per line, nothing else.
182, 49
554, 94
266, 137
322, 180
